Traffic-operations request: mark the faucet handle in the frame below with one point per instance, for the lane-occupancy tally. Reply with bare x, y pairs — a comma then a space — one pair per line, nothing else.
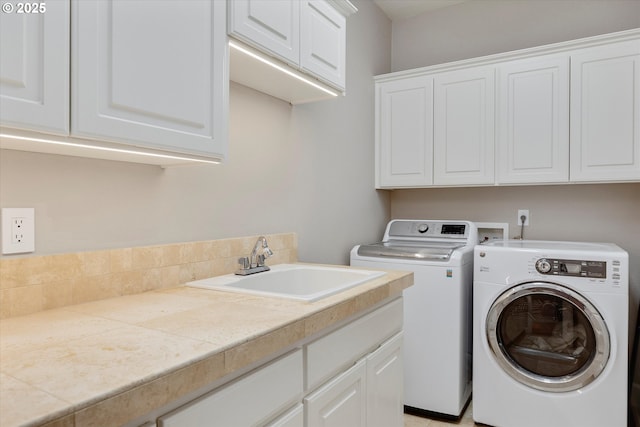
244, 262
260, 260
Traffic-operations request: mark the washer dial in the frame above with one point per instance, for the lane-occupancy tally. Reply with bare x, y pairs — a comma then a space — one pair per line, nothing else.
543, 266
422, 228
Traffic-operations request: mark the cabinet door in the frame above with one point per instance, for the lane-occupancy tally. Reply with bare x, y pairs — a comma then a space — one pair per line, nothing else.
272, 25
152, 74
464, 127
34, 67
293, 418
533, 120
341, 402
250, 401
605, 119
404, 133
323, 41
385, 398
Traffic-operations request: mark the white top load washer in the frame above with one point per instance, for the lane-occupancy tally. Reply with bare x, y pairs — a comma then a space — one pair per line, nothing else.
550, 334
437, 308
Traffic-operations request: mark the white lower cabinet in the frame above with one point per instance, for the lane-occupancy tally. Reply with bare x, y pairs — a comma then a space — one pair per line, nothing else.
293, 418
340, 402
250, 401
368, 394
349, 377
385, 388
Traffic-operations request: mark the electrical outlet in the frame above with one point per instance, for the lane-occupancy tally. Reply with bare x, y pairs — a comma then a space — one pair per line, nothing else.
522, 212
18, 230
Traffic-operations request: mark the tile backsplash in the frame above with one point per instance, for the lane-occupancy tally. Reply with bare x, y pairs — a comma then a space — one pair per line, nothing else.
32, 284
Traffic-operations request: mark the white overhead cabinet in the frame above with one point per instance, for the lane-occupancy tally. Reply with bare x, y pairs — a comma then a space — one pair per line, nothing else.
305, 38
533, 120
463, 127
273, 26
153, 75
404, 120
148, 82
34, 68
563, 113
323, 42
605, 113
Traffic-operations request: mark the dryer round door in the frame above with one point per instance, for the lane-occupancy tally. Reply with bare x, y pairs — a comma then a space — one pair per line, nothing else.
548, 337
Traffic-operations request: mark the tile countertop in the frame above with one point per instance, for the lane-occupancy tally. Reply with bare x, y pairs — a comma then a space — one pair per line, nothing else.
107, 362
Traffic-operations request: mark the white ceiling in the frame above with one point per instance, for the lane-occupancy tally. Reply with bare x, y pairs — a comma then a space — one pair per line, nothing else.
400, 9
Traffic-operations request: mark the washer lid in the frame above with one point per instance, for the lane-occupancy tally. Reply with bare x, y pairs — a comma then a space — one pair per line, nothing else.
427, 251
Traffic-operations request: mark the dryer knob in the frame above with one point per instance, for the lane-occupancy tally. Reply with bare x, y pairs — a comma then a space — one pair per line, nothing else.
422, 228
543, 266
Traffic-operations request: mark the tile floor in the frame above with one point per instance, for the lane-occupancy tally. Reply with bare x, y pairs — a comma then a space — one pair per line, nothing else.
465, 421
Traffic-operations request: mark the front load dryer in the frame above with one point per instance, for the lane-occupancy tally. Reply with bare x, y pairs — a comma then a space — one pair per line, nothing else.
550, 334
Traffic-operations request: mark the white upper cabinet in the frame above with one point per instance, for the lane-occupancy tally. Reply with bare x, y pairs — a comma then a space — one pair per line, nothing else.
404, 133
533, 120
273, 25
464, 127
605, 112
309, 36
34, 68
323, 41
553, 114
152, 75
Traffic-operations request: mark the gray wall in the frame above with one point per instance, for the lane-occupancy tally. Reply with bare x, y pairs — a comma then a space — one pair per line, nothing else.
483, 27
306, 169
603, 212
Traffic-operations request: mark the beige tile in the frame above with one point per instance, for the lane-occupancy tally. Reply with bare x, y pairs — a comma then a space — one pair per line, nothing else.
94, 288
58, 294
121, 260
89, 369
138, 308
21, 301
255, 350
155, 394
27, 334
28, 404
96, 263
223, 323
171, 254
129, 282
147, 257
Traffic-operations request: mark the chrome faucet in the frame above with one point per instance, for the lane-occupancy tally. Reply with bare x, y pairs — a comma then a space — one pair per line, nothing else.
254, 263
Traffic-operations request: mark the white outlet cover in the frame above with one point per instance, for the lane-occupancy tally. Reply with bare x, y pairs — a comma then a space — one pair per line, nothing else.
28, 243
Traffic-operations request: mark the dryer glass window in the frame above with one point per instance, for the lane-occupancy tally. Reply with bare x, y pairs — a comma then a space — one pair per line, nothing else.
546, 335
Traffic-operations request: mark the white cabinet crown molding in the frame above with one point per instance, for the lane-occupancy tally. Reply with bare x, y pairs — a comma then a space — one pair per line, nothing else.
512, 55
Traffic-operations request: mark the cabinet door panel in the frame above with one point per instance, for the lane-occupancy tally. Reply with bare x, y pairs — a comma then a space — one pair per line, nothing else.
249, 401
34, 69
533, 120
385, 390
154, 88
405, 133
605, 123
323, 41
341, 402
464, 127
273, 25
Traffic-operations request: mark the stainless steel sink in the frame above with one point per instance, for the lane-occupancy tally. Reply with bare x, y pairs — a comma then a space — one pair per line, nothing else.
295, 281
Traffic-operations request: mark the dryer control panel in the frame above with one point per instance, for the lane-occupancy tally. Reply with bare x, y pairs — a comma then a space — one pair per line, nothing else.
572, 267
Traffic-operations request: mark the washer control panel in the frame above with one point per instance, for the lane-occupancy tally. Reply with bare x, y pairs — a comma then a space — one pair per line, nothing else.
572, 267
